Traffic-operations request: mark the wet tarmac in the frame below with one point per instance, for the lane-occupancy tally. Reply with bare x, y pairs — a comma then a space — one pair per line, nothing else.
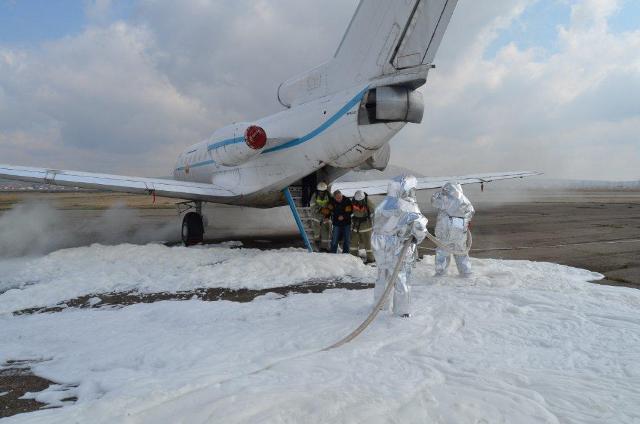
17, 380
117, 299
598, 234
597, 230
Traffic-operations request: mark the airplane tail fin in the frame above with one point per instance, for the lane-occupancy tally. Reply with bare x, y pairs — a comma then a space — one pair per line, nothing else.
386, 42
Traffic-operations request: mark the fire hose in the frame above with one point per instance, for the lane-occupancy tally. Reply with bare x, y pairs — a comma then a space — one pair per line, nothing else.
377, 307
450, 248
381, 301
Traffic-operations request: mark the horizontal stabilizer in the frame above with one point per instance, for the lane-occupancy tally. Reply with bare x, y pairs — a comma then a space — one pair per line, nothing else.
424, 183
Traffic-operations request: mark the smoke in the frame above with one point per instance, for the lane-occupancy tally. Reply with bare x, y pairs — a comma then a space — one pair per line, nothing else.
120, 224
32, 228
36, 228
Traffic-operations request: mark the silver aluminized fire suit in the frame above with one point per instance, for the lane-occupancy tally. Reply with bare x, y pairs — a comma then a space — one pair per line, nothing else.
455, 212
397, 219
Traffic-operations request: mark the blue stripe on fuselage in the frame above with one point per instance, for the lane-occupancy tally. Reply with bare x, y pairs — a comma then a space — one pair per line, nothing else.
206, 162
296, 141
225, 143
326, 124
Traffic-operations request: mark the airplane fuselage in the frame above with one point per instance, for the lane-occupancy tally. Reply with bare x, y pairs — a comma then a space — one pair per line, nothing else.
300, 140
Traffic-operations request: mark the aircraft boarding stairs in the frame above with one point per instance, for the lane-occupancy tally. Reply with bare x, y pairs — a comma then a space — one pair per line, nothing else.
304, 214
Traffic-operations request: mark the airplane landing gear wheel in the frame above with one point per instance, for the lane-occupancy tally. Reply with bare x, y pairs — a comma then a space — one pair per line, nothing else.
192, 229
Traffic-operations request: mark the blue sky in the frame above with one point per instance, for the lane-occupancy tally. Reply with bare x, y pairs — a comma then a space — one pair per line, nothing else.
627, 18
33, 21
537, 27
28, 22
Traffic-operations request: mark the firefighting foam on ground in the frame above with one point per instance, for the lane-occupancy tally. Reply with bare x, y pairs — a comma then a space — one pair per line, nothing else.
161, 333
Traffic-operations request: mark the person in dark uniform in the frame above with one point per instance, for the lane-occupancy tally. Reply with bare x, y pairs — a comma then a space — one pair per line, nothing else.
308, 183
341, 219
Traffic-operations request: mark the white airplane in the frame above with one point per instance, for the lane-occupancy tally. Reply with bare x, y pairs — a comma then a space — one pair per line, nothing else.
338, 116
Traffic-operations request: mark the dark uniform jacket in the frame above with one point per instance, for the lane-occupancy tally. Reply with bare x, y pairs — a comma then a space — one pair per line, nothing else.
341, 209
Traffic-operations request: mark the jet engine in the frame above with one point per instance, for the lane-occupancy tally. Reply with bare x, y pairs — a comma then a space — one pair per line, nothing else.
237, 143
391, 104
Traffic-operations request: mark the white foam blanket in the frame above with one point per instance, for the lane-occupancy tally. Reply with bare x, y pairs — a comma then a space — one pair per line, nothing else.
521, 342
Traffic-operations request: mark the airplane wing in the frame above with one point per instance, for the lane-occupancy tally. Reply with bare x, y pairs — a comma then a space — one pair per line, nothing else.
424, 183
120, 183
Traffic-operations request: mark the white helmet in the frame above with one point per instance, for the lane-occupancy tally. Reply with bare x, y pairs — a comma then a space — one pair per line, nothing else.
359, 195
322, 186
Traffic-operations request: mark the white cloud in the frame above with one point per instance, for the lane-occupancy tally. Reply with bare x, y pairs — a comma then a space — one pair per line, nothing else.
128, 96
564, 112
98, 92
